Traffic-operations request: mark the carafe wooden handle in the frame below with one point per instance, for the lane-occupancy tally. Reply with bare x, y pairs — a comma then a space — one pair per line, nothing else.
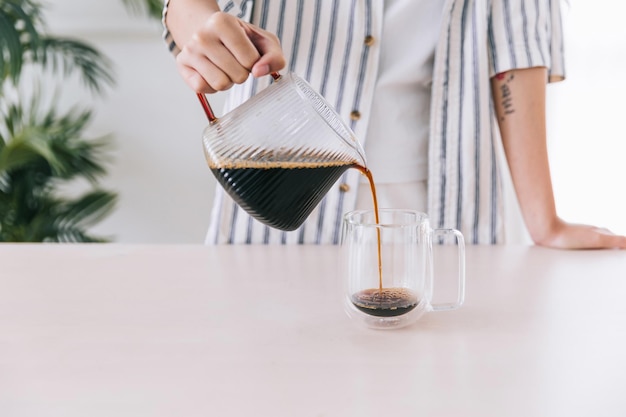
207, 107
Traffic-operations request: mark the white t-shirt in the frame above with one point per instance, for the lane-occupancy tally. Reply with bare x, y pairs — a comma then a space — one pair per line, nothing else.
396, 145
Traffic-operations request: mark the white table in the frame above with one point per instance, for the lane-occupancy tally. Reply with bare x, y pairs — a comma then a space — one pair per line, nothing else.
186, 331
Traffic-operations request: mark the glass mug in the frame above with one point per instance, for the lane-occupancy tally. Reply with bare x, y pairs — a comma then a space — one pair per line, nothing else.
391, 285
279, 153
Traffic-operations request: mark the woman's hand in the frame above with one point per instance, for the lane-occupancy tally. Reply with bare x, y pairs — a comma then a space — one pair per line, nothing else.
563, 235
218, 49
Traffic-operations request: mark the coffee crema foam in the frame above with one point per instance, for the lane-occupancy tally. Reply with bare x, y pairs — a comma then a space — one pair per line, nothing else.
278, 164
272, 159
385, 302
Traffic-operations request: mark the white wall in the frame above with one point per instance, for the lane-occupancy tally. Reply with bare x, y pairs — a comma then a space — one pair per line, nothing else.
587, 114
166, 188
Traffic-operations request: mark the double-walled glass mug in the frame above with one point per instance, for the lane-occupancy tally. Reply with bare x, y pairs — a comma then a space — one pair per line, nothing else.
278, 154
388, 269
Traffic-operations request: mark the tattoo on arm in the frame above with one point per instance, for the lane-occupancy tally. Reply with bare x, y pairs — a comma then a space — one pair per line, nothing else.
505, 93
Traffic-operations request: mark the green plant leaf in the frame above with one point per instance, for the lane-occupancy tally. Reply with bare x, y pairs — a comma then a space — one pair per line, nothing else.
86, 210
55, 219
20, 24
66, 55
152, 8
54, 139
43, 150
11, 52
22, 151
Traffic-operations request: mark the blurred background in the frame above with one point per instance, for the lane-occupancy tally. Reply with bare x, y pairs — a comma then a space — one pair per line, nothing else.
157, 167
156, 123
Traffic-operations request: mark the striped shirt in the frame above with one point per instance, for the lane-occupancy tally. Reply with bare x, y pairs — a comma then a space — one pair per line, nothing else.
329, 43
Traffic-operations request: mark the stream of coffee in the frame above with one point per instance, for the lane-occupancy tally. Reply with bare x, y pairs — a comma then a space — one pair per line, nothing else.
382, 302
365, 171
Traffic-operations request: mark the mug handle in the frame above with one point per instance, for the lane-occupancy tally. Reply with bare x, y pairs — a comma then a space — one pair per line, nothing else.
461, 275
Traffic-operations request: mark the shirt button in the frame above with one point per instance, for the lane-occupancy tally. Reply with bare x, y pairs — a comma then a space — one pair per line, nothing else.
369, 40
344, 188
355, 115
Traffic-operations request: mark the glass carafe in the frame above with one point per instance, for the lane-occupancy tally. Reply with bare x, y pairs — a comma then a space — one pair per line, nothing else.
279, 153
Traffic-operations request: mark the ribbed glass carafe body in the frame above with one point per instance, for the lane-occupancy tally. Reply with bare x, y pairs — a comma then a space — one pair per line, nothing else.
278, 154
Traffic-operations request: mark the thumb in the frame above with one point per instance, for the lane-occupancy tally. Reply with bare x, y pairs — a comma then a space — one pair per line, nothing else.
272, 58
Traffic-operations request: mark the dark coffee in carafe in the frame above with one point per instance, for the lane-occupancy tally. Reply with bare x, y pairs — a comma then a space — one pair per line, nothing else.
280, 194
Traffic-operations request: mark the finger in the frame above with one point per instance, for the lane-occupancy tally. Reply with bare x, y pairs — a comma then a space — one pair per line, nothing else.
610, 240
201, 74
208, 47
194, 80
267, 65
224, 60
237, 53
272, 58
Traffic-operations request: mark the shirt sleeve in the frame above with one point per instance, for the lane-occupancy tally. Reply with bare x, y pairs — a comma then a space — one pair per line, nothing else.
526, 34
167, 36
240, 8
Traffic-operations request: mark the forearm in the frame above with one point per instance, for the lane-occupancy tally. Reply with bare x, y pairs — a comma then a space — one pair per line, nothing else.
519, 98
185, 17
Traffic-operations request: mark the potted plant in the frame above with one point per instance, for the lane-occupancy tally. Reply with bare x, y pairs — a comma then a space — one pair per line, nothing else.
43, 149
